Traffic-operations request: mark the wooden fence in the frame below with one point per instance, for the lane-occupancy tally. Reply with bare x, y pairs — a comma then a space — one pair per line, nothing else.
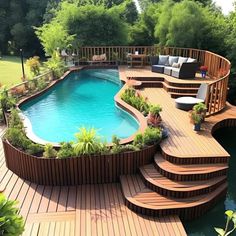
25, 87
79, 170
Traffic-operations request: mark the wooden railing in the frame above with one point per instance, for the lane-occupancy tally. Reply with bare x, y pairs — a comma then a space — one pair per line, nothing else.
23, 88
218, 66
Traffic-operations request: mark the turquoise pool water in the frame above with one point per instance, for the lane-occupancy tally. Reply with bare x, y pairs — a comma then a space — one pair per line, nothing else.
204, 226
83, 99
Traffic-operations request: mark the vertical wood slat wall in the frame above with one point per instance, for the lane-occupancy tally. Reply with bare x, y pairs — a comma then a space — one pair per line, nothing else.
218, 66
78, 170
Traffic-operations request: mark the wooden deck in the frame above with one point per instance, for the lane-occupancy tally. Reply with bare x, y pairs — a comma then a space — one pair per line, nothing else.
183, 142
80, 210
188, 176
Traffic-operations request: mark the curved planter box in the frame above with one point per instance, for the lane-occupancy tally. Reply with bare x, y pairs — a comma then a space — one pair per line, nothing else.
74, 171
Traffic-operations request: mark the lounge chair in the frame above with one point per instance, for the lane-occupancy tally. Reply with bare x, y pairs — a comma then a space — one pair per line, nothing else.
187, 103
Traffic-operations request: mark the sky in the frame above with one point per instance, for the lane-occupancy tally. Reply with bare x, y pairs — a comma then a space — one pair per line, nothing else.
226, 5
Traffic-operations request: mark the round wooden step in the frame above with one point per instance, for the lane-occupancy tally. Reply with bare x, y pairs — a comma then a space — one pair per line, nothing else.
145, 201
189, 172
178, 189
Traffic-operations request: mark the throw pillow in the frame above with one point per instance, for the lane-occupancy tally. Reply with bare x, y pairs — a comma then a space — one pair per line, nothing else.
176, 65
172, 60
182, 60
163, 60
191, 60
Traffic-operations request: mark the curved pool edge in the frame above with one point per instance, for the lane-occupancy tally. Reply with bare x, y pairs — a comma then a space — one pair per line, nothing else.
141, 120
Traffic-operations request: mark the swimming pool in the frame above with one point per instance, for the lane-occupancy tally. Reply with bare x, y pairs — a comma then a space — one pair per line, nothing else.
82, 99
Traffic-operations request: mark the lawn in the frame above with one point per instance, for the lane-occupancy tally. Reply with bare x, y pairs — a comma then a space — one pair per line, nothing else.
10, 70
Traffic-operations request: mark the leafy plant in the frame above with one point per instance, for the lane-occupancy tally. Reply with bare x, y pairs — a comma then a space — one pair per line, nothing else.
41, 84
56, 65
152, 136
116, 146
34, 149
195, 117
155, 110
231, 219
49, 151
200, 107
17, 138
136, 100
34, 65
11, 223
66, 150
87, 142
138, 140
6, 101
15, 120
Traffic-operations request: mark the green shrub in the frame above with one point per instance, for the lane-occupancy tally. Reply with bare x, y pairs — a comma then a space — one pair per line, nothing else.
88, 142
155, 110
130, 147
152, 136
66, 150
34, 149
137, 101
138, 140
34, 65
17, 138
15, 120
49, 151
116, 146
11, 223
56, 65
6, 101
200, 107
41, 84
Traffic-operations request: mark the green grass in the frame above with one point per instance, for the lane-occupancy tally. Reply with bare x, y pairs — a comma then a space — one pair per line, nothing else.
10, 70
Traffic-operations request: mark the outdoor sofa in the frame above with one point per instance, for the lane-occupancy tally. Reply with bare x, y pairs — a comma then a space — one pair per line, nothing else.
178, 67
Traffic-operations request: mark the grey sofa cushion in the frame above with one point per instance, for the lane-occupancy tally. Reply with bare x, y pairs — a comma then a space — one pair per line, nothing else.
163, 60
191, 60
172, 60
176, 65
167, 70
182, 60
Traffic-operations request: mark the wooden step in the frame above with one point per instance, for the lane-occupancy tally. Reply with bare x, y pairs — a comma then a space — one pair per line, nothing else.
177, 95
178, 189
145, 201
189, 172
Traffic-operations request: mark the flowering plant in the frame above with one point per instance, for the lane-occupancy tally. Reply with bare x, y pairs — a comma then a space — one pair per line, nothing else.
204, 68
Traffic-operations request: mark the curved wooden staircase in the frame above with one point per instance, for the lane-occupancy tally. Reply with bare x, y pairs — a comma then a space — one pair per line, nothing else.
166, 188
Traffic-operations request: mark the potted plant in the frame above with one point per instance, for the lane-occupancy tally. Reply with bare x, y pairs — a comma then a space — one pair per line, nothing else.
201, 109
196, 120
204, 70
154, 117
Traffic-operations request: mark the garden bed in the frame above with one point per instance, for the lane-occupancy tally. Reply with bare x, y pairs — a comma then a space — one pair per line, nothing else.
92, 169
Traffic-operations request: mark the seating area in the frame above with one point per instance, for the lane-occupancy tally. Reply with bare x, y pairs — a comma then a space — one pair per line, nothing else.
176, 66
187, 103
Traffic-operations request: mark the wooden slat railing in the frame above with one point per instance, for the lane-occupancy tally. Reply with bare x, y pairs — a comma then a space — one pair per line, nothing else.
218, 66
22, 88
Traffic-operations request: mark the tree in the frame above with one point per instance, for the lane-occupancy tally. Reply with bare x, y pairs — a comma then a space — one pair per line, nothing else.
92, 25
52, 36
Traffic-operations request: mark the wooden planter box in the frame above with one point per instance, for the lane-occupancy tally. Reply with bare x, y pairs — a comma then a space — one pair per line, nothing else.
74, 171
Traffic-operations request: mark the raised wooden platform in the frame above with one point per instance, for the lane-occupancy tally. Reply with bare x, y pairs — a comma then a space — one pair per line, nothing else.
80, 210
188, 176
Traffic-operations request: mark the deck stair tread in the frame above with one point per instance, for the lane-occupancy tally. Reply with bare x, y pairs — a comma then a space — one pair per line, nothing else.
188, 169
155, 178
138, 194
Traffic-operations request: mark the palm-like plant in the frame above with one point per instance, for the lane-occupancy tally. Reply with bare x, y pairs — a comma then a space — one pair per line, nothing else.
87, 142
10, 222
